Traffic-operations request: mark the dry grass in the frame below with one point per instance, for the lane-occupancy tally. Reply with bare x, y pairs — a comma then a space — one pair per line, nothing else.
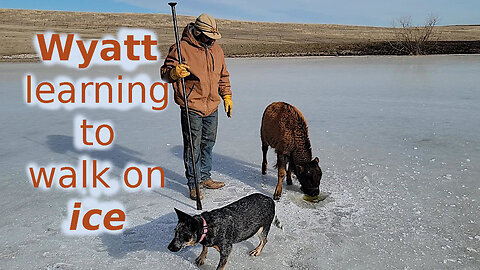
240, 38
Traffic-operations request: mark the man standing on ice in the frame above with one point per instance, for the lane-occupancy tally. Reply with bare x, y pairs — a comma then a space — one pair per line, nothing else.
207, 82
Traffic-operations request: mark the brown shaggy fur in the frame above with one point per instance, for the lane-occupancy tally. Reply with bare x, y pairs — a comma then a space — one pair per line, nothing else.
284, 128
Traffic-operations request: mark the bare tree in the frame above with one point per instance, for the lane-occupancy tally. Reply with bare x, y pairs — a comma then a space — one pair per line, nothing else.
411, 39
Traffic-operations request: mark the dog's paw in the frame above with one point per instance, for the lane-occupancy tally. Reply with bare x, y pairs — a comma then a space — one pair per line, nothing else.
255, 252
200, 260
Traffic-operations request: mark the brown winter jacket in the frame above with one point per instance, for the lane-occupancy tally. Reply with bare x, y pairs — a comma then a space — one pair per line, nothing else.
208, 79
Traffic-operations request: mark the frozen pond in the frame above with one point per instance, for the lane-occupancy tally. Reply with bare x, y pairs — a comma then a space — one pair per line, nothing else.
397, 137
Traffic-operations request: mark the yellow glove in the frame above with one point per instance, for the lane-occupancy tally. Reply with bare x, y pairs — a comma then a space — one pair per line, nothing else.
228, 103
179, 71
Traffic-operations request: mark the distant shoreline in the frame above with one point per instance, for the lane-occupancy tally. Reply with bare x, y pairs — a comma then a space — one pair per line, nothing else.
36, 60
240, 38
444, 48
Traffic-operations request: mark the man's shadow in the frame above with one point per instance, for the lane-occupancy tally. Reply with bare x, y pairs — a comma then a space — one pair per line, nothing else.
119, 156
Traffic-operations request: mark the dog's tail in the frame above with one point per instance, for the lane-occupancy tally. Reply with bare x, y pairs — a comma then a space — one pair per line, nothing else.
277, 223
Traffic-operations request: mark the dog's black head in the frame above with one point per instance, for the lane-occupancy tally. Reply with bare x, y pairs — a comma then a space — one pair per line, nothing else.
185, 232
309, 176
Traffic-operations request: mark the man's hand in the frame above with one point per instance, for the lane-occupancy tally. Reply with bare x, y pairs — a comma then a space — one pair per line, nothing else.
179, 71
228, 103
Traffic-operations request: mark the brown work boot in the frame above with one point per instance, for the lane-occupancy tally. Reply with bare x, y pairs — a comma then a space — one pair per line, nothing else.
212, 184
193, 194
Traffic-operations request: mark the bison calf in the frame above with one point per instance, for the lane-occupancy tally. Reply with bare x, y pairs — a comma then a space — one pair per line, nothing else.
284, 128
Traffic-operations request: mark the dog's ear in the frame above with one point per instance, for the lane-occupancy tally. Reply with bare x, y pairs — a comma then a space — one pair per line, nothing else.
181, 215
316, 160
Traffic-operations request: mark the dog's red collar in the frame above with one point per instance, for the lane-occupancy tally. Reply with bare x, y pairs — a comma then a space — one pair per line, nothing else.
204, 233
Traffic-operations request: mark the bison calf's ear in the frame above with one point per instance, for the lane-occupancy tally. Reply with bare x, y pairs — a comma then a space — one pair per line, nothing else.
316, 160
299, 169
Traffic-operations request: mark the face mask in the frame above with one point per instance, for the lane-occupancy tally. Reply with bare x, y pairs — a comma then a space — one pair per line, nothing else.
204, 39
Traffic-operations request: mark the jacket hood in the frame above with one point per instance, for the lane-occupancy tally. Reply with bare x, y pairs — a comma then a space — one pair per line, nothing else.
187, 35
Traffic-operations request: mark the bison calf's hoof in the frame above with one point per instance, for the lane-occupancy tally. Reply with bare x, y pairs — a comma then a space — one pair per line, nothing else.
276, 196
264, 168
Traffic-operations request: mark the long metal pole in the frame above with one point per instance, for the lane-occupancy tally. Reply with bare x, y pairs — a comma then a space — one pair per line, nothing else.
177, 40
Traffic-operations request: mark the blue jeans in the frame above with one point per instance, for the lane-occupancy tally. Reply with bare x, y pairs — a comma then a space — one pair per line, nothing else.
204, 134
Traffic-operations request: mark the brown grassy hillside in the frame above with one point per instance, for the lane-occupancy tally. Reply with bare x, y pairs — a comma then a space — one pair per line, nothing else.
240, 38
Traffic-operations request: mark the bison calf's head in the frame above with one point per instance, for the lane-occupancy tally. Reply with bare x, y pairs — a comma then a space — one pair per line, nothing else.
185, 232
309, 176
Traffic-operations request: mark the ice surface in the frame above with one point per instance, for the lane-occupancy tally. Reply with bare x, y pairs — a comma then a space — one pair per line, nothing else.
397, 137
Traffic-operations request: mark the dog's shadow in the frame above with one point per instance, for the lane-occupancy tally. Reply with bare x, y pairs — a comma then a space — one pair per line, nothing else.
155, 236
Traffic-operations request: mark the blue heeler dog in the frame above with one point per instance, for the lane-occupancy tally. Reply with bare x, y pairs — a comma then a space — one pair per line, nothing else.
221, 228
